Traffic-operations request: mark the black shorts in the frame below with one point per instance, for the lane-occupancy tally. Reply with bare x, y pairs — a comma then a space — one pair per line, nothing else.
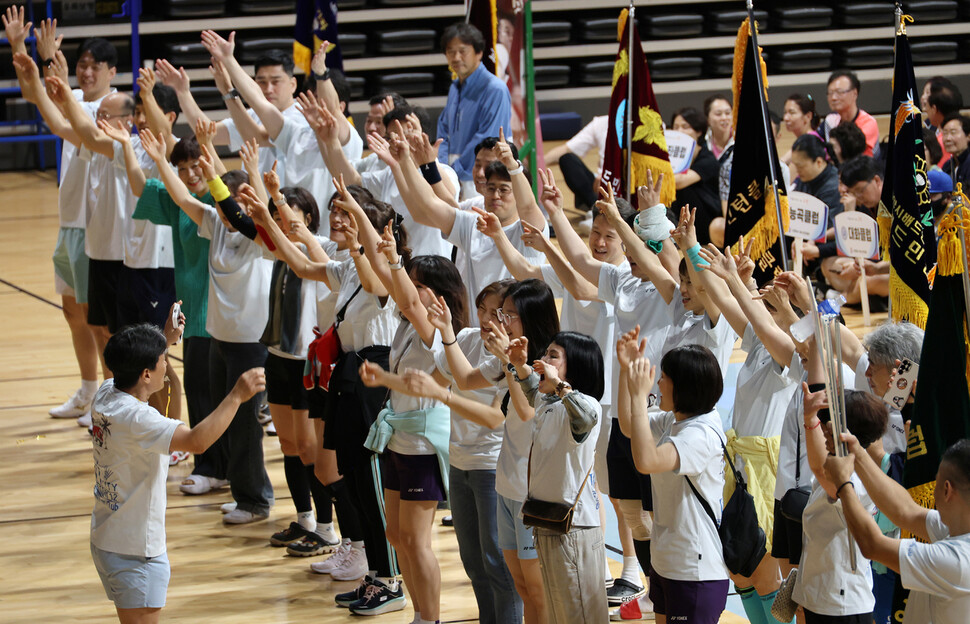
625, 482
103, 276
415, 477
284, 382
786, 537
317, 401
145, 296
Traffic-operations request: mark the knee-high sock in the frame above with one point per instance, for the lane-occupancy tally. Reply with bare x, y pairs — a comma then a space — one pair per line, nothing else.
322, 501
296, 481
346, 512
751, 602
766, 602
642, 548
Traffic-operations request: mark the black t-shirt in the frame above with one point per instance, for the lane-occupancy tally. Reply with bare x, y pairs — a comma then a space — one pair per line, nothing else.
702, 194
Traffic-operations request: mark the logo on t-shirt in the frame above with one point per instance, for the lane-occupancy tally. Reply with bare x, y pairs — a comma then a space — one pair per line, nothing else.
100, 430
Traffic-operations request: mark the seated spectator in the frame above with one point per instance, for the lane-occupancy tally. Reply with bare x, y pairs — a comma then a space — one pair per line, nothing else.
956, 136
579, 178
942, 99
847, 142
800, 117
697, 187
720, 124
941, 190
843, 94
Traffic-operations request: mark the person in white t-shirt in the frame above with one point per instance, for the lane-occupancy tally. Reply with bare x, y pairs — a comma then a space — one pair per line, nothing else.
828, 587
132, 443
680, 446
935, 564
97, 65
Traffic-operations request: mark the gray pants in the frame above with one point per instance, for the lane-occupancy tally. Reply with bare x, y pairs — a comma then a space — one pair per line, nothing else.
572, 575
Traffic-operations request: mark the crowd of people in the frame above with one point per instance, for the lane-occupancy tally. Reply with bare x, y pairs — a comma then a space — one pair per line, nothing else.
399, 310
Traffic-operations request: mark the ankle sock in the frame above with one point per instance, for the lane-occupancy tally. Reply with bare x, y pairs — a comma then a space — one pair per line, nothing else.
325, 530
766, 601
751, 602
390, 581
322, 498
296, 481
631, 570
89, 387
305, 520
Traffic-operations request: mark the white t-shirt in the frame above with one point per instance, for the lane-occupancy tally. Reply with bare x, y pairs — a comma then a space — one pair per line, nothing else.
592, 136
938, 575
105, 236
304, 164
512, 469
826, 583
366, 321
147, 245
409, 351
266, 154
423, 240
792, 451
685, 544
239, 279
764, 390
326, 298
479, 261
478, 201
593, 318
635, 302
560, 463
76, 195
131, 441
689, 328
473, 447
894, 440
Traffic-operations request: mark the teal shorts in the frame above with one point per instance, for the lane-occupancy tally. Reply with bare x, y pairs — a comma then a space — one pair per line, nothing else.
71, 264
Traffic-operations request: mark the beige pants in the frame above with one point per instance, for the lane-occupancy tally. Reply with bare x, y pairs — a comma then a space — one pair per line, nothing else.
572, 575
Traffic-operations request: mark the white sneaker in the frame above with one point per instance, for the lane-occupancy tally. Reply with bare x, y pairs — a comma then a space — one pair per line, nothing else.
334, 561
84, 420
239, 516
75, 406
228, 507
270, 429
353, 567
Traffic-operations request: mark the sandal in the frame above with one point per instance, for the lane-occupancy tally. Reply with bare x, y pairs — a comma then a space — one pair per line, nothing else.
201, 484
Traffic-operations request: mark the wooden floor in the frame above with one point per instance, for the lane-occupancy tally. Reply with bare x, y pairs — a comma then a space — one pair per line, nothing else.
219, 574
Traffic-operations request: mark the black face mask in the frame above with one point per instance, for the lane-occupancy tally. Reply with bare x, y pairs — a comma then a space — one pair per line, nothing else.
939, 206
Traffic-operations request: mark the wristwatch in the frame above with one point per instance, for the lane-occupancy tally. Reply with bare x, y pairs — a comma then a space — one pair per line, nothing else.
324, 76
562, 387
510, 367
232, 94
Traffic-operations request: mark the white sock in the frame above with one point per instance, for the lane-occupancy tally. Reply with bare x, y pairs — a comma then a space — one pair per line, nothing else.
359, 545
417, 618
426, 621
89, 387
306, 520
325, 530
631, 570
390, 581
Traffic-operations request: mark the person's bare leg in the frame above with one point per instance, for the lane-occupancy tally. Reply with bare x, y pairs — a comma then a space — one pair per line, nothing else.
101, 336
82, 336
415, 523
392, 530
529, 608
532, 575
138, 616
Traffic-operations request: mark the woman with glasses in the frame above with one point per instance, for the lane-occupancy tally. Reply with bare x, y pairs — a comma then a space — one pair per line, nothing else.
529, 310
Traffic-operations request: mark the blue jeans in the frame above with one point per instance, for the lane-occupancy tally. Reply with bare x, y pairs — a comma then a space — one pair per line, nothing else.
473, 502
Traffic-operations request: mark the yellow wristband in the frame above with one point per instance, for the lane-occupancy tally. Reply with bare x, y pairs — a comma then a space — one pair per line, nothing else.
218, 189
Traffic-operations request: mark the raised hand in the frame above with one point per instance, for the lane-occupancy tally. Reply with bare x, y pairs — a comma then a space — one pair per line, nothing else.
308, 105
421, 384
551, 195
371, 374
249, 153
381, 147
207, 162
220, 75
797, 289
249, 384
319, 63
649, 195
744, 261
255, 208
641, 376
497, 341
533, 237
439, 315
685, 235
117, 133
549, 372
146, 79
488, 224
503, 152
218, 47
518, 351
27, 69
205, 131
424, 151
775, 295
57, 90
171, 77
48, 41
344, 200
607, 205
271, 180
720, 264
813, 402
153, 146
387, 245
386, 106
15, 27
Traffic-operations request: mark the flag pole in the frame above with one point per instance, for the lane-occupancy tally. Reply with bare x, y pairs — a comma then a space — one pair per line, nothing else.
768, 142
628, 122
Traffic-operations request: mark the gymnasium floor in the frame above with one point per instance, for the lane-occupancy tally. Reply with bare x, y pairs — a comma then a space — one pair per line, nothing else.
219, 574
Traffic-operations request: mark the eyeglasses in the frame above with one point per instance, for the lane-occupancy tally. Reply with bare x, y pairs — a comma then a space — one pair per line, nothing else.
503, 191
106, 116
505, 319
838, 92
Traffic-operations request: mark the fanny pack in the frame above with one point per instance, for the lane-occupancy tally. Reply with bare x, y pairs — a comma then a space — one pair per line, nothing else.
555, 517
323, 352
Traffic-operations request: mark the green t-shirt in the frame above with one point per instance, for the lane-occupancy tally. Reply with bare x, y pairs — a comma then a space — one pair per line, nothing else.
191, 252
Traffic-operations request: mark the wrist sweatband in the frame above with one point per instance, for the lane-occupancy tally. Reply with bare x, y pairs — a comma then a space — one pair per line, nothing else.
517, 170
431, 173
218, 189
693, 254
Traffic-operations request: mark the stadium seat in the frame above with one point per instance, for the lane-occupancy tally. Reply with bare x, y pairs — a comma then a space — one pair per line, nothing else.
722, 64
677, 68
865, 14
357, 86
597, 30
182, 9
412, 41
864, 56
551, 76
551, 33
928, 11
185, 54
560, 126
251, 49
801, 60
727, 22
595, 73
255, 7
410, 84
927, 52
349, 5
353, 44
802, 18
671, 26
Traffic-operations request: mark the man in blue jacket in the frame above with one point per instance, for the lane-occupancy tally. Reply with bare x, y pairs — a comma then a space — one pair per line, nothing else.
478, 103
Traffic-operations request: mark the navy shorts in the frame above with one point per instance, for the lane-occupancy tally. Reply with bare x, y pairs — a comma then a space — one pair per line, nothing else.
697, 602
145, 296
786, 537
416, 477
103, 276
625, 482
284, 382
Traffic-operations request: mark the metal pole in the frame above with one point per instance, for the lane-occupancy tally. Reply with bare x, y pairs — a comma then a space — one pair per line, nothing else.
769, 143
530, 100
628, 133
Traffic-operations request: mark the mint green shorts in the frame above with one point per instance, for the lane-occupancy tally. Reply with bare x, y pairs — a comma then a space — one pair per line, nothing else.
71, 264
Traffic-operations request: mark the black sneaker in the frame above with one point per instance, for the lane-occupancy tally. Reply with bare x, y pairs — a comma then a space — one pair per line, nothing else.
288, 535
623, 591
348, 598
379, 598
311, 545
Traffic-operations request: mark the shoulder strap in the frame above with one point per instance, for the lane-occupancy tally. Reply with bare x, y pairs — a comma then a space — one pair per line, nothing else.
340, 315
703, 502
798, 455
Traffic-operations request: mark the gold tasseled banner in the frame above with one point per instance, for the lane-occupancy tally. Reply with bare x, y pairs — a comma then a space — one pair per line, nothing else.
740, 49
641, 163
765, 231
923, 496
906, 305
885, 221
302, 56
949, 255
621, 24
493, 10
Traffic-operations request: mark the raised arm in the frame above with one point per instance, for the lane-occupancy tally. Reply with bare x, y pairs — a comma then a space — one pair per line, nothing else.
427, 154
203, 435
270, 116
249, 155
326, 128
177, 190
466, 376
647, 456
517, 264
685, 236
326, 92
91, 137
422, 201
525, 201
136, 177
573, 247
578, 286
421, 384
814, 438
178, 79
205, 132
158, 122
32, 88
629, 348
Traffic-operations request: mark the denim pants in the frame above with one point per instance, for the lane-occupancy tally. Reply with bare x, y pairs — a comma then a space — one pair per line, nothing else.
248, 481
473, 501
